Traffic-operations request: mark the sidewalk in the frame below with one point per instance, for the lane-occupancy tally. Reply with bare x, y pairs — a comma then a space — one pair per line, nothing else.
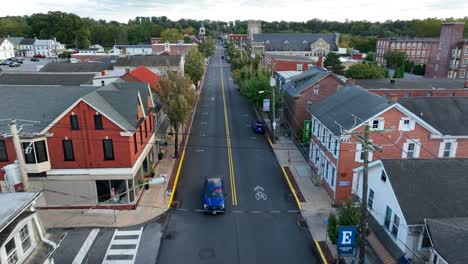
316, 205
152, 204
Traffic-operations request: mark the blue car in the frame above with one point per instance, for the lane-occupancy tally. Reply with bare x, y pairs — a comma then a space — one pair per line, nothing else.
213, 196
258, 127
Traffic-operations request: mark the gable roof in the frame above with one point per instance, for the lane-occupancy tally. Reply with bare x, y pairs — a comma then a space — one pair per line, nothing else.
36, 104
296, 41
449, 115
143, 74
27, 41
15, 40
13, 204
429, 188
119, 101
299, 83
148, 60
449, 238
76, 67
46, 78
422, 83
347, 102
45, 42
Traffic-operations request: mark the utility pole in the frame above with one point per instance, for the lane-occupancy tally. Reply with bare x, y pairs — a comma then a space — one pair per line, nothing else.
19, 154
367, 145
273, 86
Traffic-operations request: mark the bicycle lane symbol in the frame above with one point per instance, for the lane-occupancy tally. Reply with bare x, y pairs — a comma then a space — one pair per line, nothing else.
260, 193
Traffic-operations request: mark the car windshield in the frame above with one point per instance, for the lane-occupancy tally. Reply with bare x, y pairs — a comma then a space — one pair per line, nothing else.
215, 193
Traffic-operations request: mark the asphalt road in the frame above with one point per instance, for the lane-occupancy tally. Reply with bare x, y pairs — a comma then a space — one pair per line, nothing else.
253, 231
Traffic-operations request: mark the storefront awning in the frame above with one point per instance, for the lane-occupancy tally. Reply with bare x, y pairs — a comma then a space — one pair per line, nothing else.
161, 131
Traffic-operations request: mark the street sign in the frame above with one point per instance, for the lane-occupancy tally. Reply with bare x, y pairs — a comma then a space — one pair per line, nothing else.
307, 129
346, 240
344, 183
266, 105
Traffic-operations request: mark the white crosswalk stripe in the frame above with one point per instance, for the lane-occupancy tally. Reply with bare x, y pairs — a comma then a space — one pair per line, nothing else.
123, 247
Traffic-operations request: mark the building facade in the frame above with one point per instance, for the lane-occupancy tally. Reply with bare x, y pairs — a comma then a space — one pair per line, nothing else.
173, 48
132, 50
6, 49
48, 47
445, 57
96, 143
239, 40
288, 63
419, 127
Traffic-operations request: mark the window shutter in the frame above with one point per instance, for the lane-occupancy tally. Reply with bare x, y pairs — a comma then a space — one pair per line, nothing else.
412, 124
402, 126
381, 124
404, 153
453, 151
357, 156
417, 148
441, 149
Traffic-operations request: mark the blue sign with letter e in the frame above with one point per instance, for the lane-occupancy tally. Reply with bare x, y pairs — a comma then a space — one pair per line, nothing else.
346, 240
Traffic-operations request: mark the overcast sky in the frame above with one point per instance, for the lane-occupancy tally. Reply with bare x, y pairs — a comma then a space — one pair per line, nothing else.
228, 10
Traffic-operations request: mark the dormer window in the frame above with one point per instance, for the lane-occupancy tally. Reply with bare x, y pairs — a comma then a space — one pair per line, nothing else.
286, 42
267, 41
304, 41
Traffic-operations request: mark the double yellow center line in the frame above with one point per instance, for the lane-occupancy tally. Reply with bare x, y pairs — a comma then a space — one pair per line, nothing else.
228, 141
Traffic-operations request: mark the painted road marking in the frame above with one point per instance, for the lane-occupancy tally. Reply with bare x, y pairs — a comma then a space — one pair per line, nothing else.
228, 142
199, 150
86, 246
260, 193
123, 247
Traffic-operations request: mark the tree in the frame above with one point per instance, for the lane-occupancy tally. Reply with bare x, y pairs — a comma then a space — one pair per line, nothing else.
333, 60
399, 73
366, 71
187, 39
177, 99
207, 47
395, 58
195, 65
348, 215
65, 55
171, 35
370, 56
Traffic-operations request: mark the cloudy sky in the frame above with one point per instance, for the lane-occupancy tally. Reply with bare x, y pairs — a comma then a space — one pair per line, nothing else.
227, 10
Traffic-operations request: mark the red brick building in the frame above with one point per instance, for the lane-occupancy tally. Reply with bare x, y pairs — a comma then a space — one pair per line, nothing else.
310, 87
420, 127
92, 143
288, 63
414, 87
155, 40
445, 57
238, 39
143, 74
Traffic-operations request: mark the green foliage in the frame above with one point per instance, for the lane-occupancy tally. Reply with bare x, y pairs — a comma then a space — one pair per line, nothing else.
333, 60
207, 47
366, 71
419, 69
177, 98
65, 55
348, 215
395, 58
171, 35
194, 65
187, 39
370, 56
399, 73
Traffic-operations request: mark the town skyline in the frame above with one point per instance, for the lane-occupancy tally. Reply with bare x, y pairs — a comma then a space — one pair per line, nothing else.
294, 11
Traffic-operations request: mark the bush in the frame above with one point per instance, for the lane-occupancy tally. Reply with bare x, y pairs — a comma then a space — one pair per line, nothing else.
160, 155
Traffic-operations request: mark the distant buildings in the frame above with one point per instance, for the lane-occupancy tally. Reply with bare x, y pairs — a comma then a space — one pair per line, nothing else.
172, 48
445, 57
6, 49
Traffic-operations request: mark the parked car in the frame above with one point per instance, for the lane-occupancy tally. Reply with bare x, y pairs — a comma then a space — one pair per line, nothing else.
4, 62
39, 56
17, 60
14, 64
228, 59
222, 57
258, 127
213, 196
34, 59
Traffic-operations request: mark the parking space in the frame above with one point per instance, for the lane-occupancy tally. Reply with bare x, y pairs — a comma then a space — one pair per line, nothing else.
28, 65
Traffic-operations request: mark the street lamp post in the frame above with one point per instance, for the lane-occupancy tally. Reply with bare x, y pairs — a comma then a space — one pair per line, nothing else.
273, 125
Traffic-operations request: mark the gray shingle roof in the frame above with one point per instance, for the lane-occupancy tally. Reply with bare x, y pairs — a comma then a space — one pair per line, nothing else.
148, 60
449, 115
299, 83
422, 83
45, 78
12, 204
38, 103
449, 238
15, 40
27, 41
346, 102
119, 101
286, 57
76, 67
296, 41
429, 188
1, 40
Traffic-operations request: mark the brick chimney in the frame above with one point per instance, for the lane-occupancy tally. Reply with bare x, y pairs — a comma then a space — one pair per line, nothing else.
320, 61
393, 97
465, 84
